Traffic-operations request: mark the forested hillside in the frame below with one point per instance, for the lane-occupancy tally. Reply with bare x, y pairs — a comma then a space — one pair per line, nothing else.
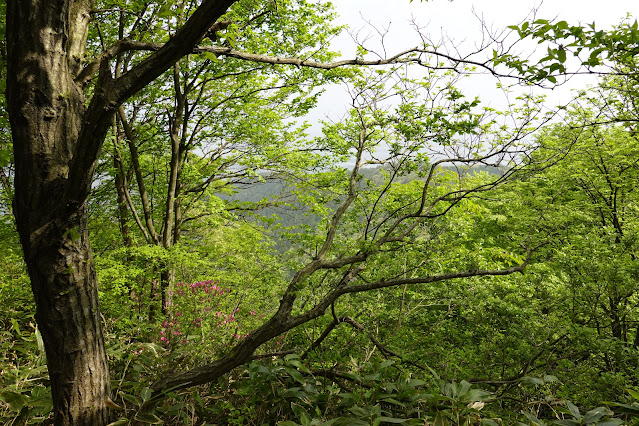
178, 246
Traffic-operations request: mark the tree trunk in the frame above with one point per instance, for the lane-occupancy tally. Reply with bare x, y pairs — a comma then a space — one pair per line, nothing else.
56, 141
123, 209
64, 283
46, 42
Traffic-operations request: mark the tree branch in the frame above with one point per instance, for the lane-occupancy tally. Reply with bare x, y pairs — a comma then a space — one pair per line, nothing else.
415, 55
111, 92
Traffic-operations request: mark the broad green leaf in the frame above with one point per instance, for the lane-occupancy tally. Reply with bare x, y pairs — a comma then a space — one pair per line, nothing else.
296, 375
573, 410
148, 418
610, 422
120, 422
131, 398
633, 393
14, 400
595, 414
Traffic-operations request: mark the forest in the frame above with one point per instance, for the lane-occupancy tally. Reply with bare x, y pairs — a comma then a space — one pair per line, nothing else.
180, 245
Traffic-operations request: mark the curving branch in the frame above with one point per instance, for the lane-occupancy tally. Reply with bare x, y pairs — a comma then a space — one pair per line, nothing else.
416, 55
282, 322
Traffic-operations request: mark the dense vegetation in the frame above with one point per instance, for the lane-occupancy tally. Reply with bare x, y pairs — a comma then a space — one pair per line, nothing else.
425, 260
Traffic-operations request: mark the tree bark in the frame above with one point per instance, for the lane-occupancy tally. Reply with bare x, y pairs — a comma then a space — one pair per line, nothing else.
46, 41
56, 141
120, 180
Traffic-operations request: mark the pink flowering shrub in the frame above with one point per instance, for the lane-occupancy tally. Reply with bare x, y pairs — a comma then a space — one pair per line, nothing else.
202, 316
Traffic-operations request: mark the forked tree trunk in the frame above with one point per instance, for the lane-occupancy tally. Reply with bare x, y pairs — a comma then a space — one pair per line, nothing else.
46, 42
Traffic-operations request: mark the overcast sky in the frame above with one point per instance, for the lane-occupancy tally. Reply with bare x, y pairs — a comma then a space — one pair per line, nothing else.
457, 20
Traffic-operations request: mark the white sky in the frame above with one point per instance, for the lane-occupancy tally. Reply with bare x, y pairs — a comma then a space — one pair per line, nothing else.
457, 19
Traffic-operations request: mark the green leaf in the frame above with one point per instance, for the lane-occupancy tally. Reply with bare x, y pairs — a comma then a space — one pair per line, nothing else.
534, 420
574, 410
532, 381
394, 402
561, 55
14, 400
15, 325
633, 393
300, 412
120, 422
131, 398
610, 422
392, 420
556, 67
296, 375
387, 363
463, 389
148, 418
297, 364
633, 409
352, 376
39, 340
146, 394
595, 414
210, 56
477, 395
